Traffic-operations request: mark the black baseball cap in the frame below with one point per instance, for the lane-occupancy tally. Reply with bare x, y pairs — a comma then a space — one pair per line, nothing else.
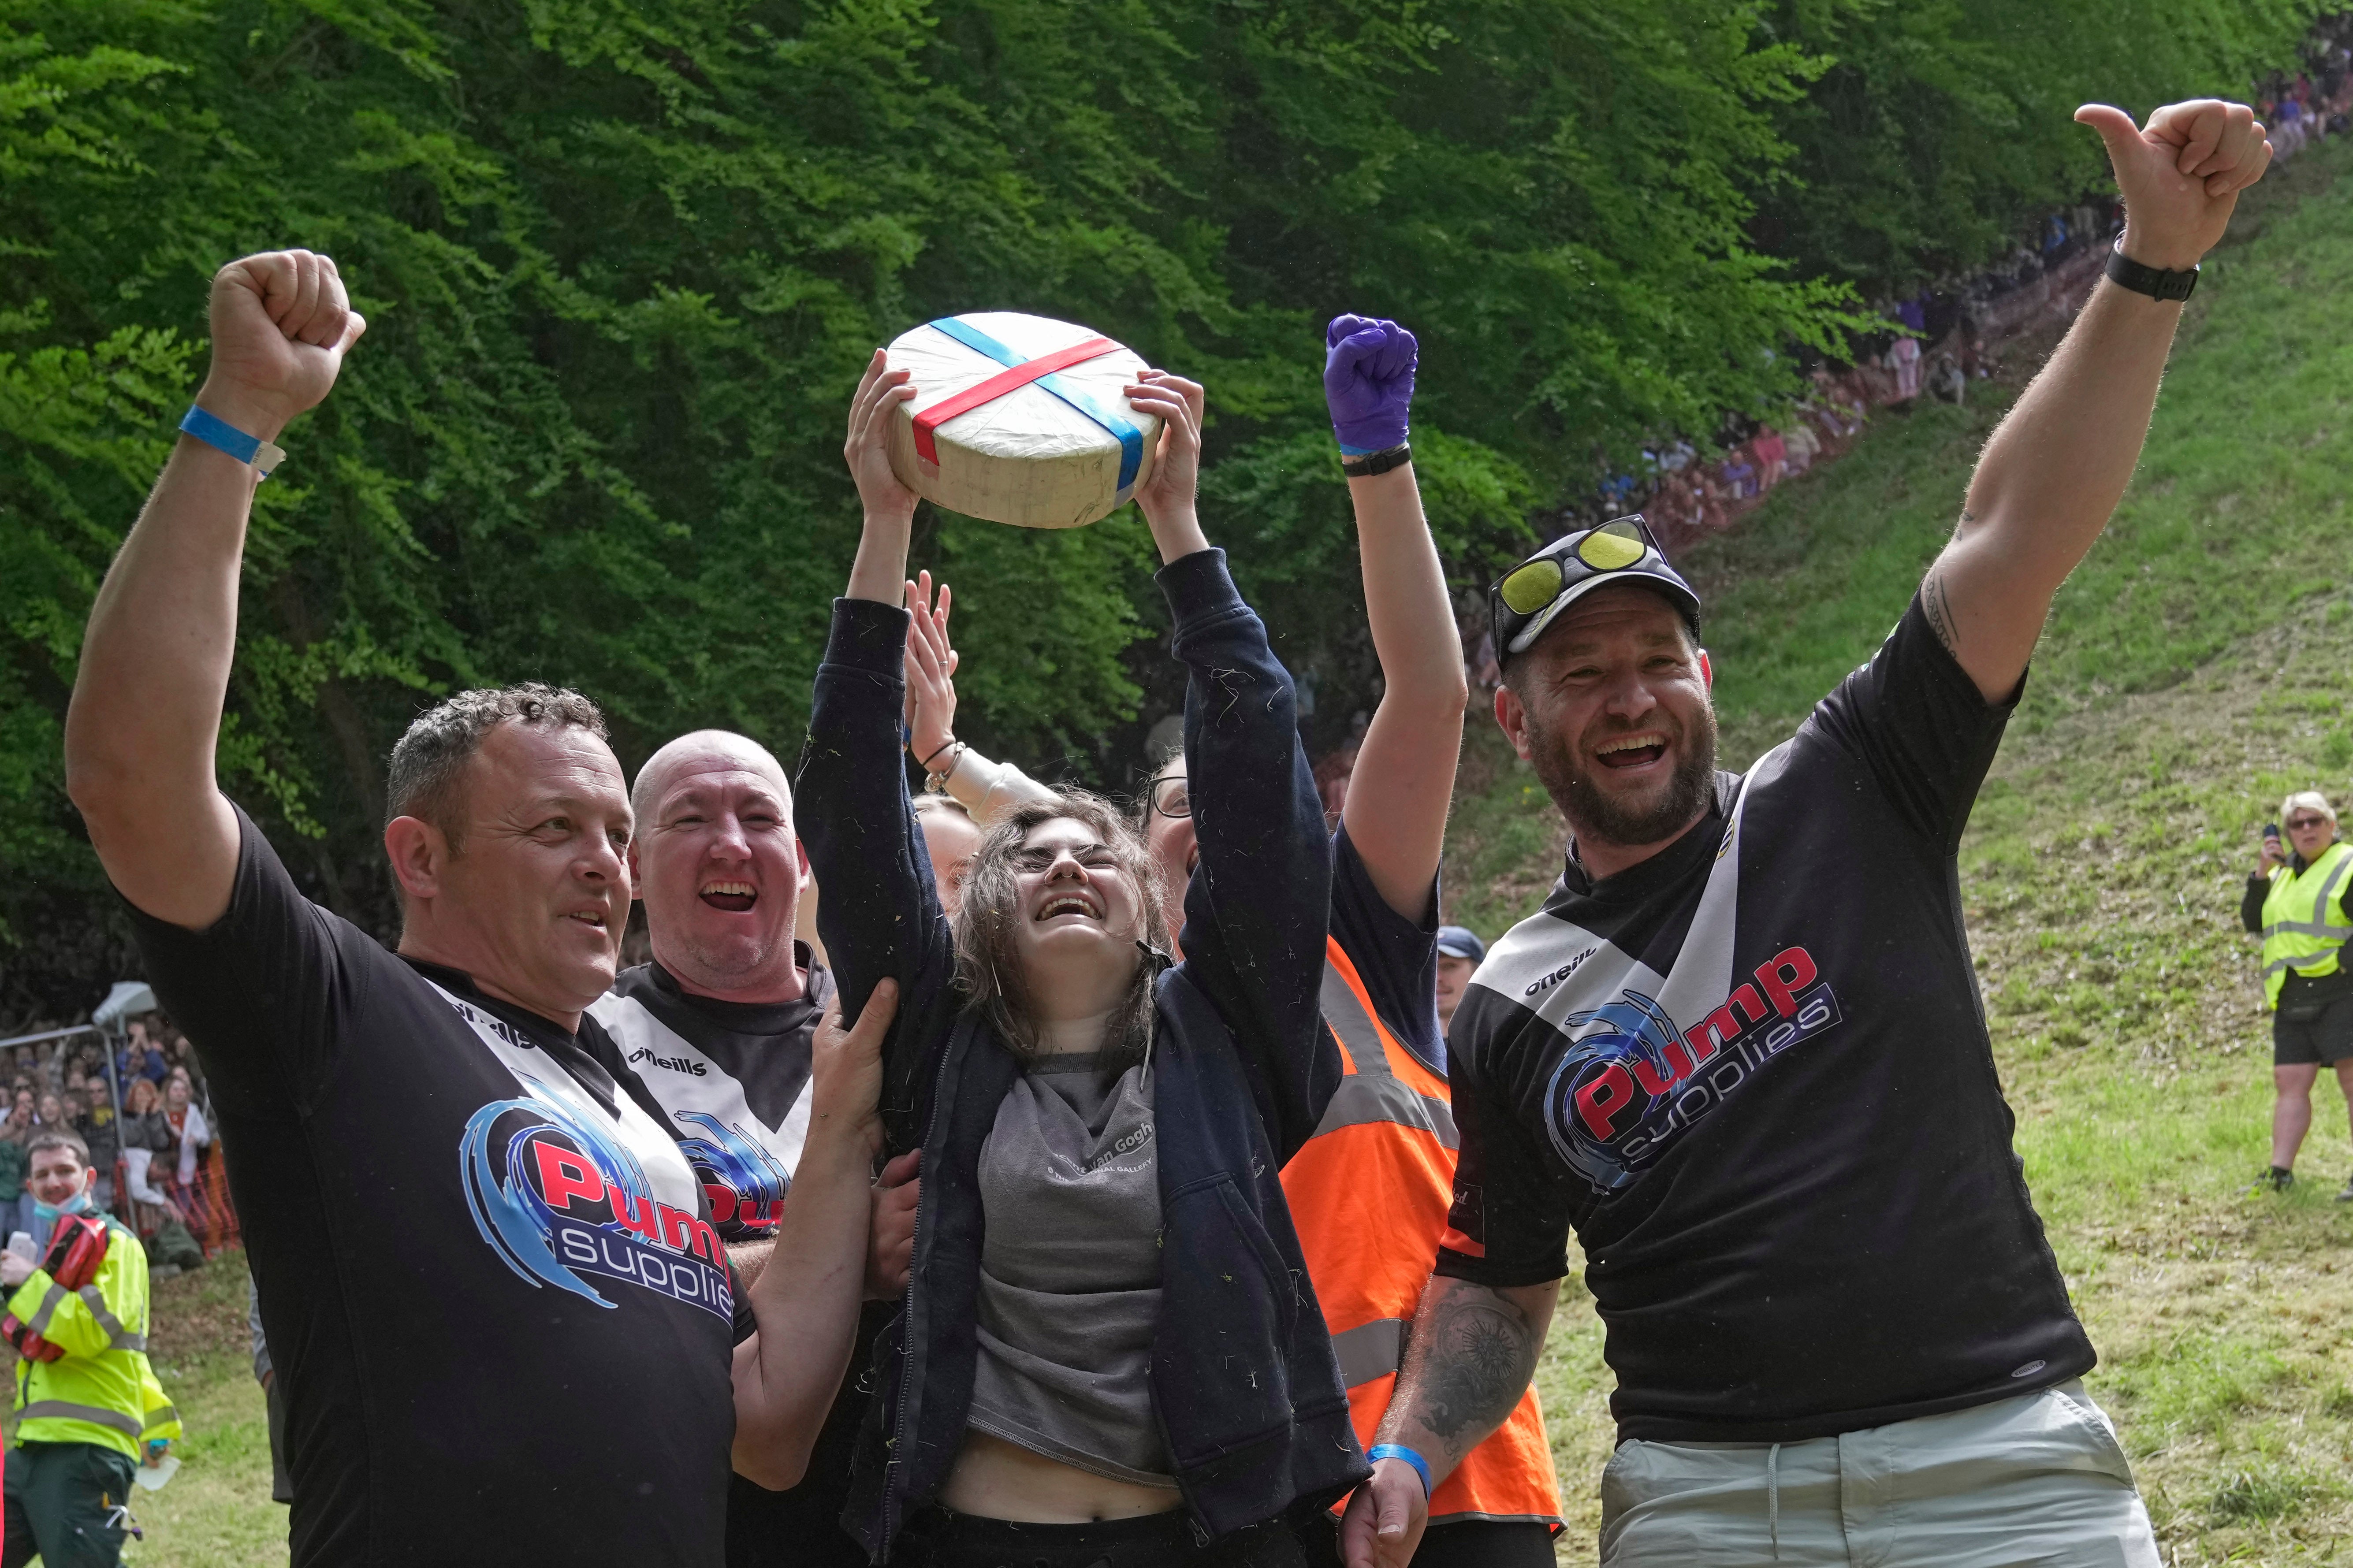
1530, 597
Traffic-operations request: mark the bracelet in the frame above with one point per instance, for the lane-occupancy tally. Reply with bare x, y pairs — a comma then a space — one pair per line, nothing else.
925, 762
1381, 462
936, 780
1380, 1451
221, 436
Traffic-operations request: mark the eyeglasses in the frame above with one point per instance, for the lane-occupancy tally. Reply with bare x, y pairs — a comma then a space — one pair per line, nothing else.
1528, 595
2298, 824
1170, 798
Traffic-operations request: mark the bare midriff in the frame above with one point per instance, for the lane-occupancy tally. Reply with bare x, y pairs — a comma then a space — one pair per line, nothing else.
996, 1480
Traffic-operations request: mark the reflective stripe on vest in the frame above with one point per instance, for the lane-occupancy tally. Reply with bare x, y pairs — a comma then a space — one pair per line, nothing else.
97, 1416
1368, 1197
1371, 1089
2299, 935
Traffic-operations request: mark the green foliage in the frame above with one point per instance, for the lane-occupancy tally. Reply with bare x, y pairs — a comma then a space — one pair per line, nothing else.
624, 261
1944, 127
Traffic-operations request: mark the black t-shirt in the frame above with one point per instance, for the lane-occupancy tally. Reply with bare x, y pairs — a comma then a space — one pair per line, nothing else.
501, 1323
1753, 1073
733, 1078
733, 1081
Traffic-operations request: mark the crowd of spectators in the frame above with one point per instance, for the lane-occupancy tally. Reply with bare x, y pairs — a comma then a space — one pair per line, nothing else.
174, 1190
1936, 345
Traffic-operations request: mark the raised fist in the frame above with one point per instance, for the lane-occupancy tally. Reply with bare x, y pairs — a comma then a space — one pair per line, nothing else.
281, 322
2180, 174
1368, 365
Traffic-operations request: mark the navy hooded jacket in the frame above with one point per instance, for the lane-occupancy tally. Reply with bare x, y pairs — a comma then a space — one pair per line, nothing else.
1244, 1381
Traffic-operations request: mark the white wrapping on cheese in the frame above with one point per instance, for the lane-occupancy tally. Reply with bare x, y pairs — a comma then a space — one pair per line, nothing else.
1027, 457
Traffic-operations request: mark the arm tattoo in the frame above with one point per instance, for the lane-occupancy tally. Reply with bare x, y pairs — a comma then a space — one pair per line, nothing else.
1482, 1351
1939, 607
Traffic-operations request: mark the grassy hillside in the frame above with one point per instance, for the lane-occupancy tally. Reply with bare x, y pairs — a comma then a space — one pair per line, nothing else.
2190, 675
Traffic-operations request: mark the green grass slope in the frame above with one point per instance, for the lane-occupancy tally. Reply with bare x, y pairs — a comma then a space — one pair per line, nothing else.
2192, 674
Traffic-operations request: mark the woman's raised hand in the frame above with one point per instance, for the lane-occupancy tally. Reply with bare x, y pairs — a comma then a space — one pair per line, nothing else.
931, 670
890, 506
1167, 497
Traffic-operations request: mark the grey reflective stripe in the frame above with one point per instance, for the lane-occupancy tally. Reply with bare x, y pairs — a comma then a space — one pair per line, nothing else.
65, 1410
1369, 1350
1362, 1100
2319, 927
118, 1337
2308, 928
1372, 1093
1552, 1520
165, 1415
2277, 964
47, 1309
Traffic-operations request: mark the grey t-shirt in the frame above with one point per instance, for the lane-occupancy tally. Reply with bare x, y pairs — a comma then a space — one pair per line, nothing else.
1069, 1271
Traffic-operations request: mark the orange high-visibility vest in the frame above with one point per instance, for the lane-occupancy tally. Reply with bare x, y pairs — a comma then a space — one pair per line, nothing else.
1369, 1195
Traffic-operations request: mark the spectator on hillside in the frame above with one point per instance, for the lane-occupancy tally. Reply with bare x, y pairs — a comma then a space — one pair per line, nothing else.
1904, 362
1772, 456
144, 1135
282, 1481
1739, 474
2299, 899
1803, 445
50, 1111
1945, 383
1460, 953
16, 1204
190, 1136
98, 1135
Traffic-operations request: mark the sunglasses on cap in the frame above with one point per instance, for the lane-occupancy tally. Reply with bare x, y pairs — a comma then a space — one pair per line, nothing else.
1527, 598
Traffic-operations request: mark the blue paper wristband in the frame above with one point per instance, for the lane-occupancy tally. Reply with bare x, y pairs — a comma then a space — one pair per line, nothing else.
221, 435
1380, 1451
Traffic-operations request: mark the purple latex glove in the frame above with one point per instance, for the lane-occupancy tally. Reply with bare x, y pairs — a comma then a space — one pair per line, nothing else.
1368, 381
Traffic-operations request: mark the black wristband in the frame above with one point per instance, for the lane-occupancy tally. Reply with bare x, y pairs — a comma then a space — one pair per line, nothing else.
1381, 462
2154, 281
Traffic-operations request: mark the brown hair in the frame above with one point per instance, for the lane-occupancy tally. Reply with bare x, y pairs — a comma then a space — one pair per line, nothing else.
131, 1093
57, 1138
987, 970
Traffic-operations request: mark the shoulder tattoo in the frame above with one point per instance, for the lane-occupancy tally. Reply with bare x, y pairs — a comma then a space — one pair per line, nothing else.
1939, 607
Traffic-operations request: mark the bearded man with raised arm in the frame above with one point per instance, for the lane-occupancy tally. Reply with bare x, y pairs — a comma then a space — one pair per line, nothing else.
1740, 1051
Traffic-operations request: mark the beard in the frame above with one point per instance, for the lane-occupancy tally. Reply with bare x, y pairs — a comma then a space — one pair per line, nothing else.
1602, 817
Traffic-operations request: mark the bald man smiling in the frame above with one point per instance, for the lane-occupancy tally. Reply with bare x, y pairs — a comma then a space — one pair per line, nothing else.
718, 1027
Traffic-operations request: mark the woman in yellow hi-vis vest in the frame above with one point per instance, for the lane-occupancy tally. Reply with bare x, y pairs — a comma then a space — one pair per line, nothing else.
2302, 906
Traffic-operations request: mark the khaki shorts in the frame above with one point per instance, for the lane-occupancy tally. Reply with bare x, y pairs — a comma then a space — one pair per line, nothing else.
2036, 1479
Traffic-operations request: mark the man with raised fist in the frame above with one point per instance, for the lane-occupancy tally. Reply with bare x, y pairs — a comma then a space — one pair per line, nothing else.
1740, 1050
505, 1327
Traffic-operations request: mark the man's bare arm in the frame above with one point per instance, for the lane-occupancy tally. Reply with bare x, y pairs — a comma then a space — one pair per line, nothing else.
1397, 796
807, 1297
144, 722
2054, 471
1468, 1359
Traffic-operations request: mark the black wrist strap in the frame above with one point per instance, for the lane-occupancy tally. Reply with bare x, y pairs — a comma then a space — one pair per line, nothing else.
2152, 281
1372, 463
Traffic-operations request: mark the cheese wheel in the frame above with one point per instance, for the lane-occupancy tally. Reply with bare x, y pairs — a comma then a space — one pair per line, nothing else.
992, 433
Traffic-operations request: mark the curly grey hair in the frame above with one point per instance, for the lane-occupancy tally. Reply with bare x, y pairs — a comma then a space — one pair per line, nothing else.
428, 765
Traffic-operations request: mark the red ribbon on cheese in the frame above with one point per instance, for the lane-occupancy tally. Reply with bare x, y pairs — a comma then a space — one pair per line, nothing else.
927, 446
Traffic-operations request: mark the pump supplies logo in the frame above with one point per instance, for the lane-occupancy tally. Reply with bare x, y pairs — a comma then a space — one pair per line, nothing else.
1627, 1088
559, 1198
744, 1181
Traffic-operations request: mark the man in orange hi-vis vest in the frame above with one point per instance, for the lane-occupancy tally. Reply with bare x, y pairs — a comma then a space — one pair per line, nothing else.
1369, 1192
